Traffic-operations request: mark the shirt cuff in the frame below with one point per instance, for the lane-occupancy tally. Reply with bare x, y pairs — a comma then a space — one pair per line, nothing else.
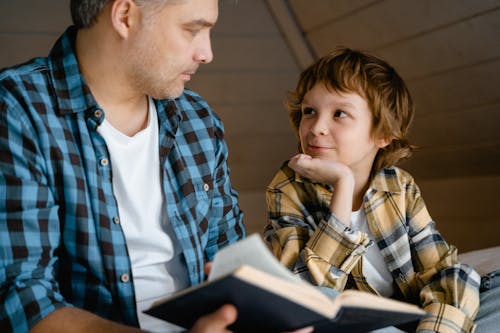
337, 244
445, 318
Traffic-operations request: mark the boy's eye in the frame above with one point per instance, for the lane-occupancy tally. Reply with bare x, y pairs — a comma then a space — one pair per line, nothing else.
340, 114
308, 111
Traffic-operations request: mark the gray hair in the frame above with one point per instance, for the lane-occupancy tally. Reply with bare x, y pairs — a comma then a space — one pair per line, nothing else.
84, 13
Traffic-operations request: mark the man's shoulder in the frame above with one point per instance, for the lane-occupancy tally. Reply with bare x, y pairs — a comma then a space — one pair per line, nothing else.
23, 80
24, 71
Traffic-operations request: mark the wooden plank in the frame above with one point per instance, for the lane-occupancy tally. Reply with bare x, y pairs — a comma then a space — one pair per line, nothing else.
18, 48
253, 204
393, 21
299, 46
313, 14
462, 88
459, 45
469, 234
255, 120
48, 16
250, 53
243, 87
244, 18
455, 161
457, 127
462, 205
255, 159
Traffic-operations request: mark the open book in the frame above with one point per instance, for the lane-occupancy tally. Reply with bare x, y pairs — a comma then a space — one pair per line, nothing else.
270, 298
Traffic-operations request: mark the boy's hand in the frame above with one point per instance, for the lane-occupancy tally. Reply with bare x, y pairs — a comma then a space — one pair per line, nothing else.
336, 174
323, 171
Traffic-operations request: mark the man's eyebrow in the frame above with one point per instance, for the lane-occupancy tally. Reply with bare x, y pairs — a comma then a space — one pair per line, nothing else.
200, 23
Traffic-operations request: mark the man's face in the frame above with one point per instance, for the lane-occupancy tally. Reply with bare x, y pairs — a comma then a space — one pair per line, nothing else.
168, 47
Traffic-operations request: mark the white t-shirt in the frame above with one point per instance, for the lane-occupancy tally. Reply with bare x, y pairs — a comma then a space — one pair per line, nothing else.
157, 267
374, 267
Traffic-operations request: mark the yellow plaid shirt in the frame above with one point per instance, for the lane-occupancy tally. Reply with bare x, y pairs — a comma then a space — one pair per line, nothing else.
311, 241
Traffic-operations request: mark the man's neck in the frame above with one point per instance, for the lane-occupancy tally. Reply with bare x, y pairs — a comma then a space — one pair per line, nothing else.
125, 108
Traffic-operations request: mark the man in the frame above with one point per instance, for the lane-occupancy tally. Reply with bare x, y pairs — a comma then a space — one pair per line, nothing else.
114, 185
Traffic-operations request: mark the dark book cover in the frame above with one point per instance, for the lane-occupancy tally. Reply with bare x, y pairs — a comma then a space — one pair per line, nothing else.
260, 310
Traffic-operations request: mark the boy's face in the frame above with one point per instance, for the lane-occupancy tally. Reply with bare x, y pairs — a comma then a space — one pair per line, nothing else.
167, 48
338, 127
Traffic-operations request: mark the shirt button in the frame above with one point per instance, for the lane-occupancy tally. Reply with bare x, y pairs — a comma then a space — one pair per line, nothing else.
116, 220
104, 161
206, 187
124, 278
97, 113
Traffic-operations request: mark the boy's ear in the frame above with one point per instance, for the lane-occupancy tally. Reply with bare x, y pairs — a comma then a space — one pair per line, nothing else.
383, 142
124, 14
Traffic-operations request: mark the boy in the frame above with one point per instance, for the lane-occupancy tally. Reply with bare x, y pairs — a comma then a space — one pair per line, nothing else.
343, 216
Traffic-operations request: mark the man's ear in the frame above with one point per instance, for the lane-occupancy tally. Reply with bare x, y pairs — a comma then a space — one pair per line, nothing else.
124, 15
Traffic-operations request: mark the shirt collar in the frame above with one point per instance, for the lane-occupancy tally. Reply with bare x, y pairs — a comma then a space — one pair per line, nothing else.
386, 180
72, 93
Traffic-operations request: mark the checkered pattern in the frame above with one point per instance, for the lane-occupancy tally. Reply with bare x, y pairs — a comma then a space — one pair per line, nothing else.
311, 241
60, 243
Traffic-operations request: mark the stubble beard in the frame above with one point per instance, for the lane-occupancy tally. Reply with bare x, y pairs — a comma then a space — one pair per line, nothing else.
150, 77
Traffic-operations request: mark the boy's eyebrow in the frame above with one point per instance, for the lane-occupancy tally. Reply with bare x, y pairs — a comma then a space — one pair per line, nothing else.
344, 104
341, 104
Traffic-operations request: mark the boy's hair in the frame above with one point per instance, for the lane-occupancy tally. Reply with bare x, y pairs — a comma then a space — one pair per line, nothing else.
347, 70
84, 12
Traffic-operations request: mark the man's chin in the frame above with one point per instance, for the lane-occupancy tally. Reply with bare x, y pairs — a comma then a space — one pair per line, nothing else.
168, 94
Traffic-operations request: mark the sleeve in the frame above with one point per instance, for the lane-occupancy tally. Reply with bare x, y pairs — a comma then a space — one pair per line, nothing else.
449, 290
325, 249
226, 218
29, 226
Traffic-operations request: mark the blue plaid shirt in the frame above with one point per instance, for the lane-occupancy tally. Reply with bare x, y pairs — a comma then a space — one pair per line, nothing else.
61, 243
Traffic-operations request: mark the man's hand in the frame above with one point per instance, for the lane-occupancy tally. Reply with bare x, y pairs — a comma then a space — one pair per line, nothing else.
217, 321
226, 315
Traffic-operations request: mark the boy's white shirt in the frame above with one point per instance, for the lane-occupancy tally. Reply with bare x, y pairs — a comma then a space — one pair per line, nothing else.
157, 267
374, 268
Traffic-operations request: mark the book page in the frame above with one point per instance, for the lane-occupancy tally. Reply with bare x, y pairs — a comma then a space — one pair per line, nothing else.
360, 299
250, 251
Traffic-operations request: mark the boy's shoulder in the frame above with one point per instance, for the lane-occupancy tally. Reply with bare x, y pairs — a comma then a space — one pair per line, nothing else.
283, 177
392, 179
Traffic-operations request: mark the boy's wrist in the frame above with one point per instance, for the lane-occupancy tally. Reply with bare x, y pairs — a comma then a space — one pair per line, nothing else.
341, 203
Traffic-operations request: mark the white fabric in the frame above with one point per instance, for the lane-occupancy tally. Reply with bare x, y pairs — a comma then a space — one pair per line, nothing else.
374, 268
157, 267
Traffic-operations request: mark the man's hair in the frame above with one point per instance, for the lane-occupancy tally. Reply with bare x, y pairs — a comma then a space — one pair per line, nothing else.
84, 13
352, 71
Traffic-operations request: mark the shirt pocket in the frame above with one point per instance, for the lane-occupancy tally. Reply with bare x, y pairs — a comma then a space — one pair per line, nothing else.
203, 194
